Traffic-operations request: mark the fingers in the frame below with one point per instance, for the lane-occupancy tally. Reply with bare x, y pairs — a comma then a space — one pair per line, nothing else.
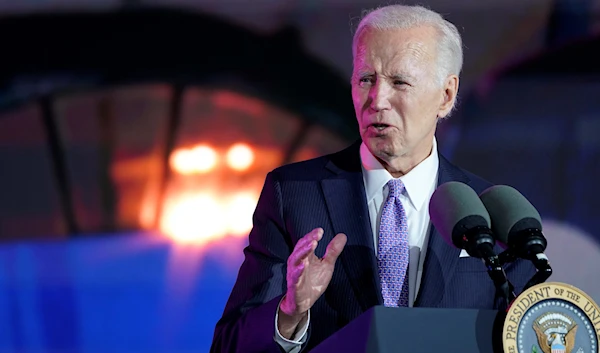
303, 252
315, 234
305, 247
335, 247
294, 273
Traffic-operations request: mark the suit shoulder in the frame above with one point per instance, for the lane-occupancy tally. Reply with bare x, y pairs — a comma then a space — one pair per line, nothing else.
347, 159
309, 169
477, 182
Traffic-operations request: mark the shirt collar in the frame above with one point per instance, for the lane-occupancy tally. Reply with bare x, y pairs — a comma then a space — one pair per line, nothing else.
420, 182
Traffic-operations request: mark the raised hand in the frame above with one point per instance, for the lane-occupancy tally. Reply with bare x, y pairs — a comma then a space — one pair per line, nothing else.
307, 278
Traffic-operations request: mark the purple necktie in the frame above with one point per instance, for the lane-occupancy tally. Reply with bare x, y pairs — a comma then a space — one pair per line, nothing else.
392, 249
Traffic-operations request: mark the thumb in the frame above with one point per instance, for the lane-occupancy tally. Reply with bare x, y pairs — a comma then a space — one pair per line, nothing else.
335, 247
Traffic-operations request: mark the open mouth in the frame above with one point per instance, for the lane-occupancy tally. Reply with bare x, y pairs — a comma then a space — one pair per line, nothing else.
379, 126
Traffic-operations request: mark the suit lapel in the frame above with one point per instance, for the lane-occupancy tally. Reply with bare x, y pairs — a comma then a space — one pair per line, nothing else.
347, 205
346, 202
441, 258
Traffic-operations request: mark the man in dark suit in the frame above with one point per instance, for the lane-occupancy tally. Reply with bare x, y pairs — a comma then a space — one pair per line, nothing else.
336, 235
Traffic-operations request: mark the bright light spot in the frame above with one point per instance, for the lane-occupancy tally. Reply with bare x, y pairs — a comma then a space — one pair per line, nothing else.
240, 210
205, 158
205, 211
201, 217
240, 156
193, 218
181, 162
200, 159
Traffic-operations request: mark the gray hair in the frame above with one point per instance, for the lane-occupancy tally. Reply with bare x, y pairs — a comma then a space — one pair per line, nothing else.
450, 58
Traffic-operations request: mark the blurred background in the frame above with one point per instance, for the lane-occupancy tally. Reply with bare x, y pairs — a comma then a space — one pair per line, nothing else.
135, 136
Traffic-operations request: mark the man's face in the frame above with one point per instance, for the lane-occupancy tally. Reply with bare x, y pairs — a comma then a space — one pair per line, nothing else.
397, 92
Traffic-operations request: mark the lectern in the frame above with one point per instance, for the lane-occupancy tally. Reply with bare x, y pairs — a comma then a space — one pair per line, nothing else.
419, 330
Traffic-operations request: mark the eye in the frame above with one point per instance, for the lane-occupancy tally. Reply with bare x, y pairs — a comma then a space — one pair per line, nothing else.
400, 83
365, 80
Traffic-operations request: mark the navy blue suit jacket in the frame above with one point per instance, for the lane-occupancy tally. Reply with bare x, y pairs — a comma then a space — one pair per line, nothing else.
328, 192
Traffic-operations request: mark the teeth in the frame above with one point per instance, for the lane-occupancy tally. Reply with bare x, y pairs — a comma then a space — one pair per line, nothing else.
379, 126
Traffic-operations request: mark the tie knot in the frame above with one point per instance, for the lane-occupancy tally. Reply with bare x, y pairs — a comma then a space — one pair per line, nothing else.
396, 187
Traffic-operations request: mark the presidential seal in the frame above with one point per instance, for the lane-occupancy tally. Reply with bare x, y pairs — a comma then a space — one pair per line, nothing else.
552, 318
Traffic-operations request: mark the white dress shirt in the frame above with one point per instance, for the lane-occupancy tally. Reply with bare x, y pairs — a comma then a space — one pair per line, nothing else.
419, 183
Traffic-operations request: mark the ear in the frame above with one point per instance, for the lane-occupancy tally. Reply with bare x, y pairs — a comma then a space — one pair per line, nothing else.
448, 98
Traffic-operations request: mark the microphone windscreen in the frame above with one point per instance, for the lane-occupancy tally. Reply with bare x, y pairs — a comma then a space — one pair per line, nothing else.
510, 211
455, 208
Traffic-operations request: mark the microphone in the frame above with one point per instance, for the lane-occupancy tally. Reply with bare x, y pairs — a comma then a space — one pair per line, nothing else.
461, 218
518, 224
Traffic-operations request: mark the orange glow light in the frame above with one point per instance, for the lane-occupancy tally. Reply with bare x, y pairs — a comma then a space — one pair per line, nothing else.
240, 156
200, 159
201, 217
200, 210
240, 210
193, 218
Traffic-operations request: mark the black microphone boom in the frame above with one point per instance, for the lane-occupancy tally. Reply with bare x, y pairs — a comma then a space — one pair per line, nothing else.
518, 224
463, 221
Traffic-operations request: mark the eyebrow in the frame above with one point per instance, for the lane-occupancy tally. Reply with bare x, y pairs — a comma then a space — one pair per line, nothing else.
363, 72
402, 77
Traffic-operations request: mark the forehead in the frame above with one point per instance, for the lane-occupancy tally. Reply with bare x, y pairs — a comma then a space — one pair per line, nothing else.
387, 49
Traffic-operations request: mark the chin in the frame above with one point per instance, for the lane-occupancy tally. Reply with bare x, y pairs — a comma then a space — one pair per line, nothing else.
382, 148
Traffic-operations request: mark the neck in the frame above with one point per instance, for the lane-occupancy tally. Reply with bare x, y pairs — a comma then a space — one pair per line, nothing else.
398, 166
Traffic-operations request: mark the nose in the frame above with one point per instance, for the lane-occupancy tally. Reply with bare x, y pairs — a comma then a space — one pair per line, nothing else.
379, 95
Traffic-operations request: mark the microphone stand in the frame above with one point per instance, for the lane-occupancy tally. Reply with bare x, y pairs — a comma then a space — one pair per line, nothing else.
503, 286
544, 270
541, 263
531, 249
507, 256
479, 242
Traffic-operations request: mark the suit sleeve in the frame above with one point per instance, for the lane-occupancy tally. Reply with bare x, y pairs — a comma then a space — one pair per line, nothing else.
247, 324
